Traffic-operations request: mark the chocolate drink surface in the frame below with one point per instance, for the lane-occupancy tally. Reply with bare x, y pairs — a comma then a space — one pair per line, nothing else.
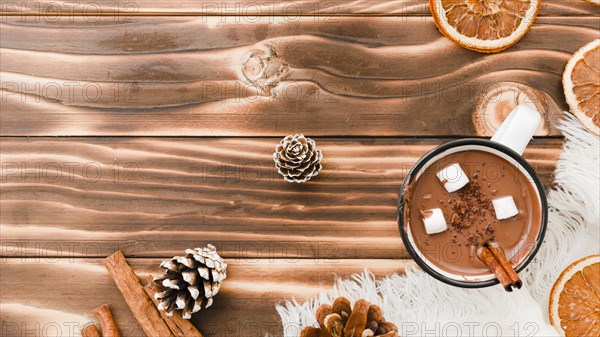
470, 215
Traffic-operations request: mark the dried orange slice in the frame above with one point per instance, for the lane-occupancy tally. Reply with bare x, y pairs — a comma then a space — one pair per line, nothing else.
486, 26
575, 299
581, 81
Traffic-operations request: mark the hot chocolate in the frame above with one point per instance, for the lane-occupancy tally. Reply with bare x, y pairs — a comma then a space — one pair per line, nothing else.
497, 204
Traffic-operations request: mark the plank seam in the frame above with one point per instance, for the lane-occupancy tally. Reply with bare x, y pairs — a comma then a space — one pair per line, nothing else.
200, 14
328, 137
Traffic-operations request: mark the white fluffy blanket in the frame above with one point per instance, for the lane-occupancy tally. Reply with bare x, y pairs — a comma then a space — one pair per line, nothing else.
423, 306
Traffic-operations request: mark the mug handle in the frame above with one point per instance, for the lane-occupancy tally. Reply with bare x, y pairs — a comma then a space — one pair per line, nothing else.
518, 128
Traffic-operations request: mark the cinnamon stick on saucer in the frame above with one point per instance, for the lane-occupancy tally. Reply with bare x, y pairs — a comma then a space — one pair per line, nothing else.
493, 256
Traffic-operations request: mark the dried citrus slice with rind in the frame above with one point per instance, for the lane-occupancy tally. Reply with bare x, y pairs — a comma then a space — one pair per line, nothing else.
486, 26
581, 82
575, 299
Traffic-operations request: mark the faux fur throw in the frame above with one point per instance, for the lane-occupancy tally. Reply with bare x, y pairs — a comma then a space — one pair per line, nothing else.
422, 306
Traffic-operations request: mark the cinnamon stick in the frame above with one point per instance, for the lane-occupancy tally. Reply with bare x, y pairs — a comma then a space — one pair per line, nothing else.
498, 253
493, 256
106, 321
90, 330
179, 326
141, 306
489, 259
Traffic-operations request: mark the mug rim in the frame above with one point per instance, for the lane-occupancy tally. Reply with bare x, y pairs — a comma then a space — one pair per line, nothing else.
462, 142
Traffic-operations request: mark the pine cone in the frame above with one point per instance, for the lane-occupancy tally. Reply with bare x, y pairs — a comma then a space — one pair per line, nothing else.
297, 158
190, 281
339, 320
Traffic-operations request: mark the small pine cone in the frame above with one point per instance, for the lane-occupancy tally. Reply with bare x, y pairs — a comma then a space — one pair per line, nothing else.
190, 281
339, 320
297, 158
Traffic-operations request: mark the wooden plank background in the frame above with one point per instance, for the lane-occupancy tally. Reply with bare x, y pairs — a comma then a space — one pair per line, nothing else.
149, 126
246, 307
157, 196
248, 8
192, 78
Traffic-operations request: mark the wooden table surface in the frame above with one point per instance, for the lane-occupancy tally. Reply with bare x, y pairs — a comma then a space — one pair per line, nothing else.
149, 126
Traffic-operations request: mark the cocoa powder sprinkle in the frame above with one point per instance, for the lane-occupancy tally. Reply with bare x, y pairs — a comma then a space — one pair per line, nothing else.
468, 209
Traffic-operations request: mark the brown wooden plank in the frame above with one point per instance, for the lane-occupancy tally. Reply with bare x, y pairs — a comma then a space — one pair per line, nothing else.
171, 193
59, 295
355, 76
293, 9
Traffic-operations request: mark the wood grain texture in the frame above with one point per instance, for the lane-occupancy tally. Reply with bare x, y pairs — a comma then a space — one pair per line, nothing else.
155, 197
109, 68
62, 300
95, 8
226, 76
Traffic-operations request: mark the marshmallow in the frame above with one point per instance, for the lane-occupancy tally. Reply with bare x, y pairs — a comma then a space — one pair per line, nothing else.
505, 207
434, 221
453, 177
